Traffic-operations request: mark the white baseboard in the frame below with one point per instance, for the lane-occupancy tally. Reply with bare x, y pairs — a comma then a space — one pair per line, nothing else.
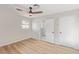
11, 42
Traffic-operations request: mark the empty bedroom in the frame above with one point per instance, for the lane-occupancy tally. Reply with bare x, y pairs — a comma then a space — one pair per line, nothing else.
39, 28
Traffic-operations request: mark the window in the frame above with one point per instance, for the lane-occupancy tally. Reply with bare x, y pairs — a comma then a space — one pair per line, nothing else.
25, 25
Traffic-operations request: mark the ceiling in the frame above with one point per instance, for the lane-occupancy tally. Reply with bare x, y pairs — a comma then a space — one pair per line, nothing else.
47, 9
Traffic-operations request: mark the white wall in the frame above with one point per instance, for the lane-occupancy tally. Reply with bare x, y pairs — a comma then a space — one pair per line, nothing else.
76, 33
69, 26
10, 29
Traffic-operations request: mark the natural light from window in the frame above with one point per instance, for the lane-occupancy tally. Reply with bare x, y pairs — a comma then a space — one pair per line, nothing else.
24, 24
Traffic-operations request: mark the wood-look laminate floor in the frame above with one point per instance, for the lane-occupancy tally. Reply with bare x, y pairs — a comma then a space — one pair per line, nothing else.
33, 46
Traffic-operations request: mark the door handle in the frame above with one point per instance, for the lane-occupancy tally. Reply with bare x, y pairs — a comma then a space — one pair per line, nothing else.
60, 32
52, 32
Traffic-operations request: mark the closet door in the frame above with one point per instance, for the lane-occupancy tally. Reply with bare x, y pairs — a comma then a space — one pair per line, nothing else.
67, 31
36, 25
49, 30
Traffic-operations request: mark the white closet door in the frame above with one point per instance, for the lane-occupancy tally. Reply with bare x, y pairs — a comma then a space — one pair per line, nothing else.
49, 30
36, 28
67, 31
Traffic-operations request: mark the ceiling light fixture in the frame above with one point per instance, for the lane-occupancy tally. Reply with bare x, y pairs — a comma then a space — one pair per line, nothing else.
31, 10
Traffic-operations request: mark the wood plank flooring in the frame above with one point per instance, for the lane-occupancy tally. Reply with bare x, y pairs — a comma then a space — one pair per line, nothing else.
33, 46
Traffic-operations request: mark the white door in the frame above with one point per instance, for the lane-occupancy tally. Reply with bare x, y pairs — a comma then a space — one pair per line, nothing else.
36, 28
49, 30
67, 31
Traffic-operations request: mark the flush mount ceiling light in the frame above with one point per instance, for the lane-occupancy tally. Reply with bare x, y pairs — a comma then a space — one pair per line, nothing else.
31, 10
